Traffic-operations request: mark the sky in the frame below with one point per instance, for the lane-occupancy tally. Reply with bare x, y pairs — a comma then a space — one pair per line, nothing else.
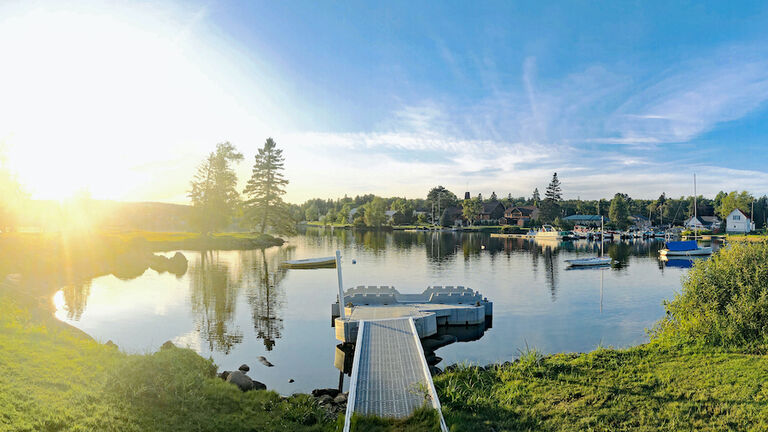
124, 99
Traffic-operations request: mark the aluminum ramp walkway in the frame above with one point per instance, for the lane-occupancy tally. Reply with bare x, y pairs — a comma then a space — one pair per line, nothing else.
390, 376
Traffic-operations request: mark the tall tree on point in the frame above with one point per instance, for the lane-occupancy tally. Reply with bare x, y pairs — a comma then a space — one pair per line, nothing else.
265, 189
213, 189
619, 211
550, 208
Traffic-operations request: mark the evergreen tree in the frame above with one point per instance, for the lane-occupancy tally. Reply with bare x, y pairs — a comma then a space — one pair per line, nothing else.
265, 190
493, 197
550, 208
553, 191
536, 198
213, 189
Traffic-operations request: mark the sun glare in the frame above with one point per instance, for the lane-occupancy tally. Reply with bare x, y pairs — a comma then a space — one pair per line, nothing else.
81, 92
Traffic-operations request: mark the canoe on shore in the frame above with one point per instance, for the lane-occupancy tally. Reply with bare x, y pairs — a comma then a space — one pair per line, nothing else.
310, 263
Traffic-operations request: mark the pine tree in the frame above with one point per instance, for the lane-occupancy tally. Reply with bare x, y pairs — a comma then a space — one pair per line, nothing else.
213, 189
265, 190
536, 198
553, 191
493, 197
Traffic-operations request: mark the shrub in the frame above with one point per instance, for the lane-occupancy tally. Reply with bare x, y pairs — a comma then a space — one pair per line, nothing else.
724, 301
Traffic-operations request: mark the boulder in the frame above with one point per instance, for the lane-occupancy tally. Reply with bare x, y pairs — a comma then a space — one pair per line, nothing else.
243, 368
434, 370
223, 375
259, 385
241, 380
340, 399
327, 391
290, 380
325, 399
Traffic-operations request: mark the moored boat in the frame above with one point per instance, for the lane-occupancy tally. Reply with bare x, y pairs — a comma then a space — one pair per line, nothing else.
593, 261
549, 232
310, 263
684, 248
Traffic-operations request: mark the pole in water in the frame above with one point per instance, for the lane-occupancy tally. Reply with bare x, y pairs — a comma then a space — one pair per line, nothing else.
341, 285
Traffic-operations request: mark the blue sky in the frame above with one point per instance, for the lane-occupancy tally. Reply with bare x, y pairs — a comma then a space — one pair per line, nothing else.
393, 98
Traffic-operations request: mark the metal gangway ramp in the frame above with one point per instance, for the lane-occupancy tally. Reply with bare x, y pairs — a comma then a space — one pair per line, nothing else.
390, 376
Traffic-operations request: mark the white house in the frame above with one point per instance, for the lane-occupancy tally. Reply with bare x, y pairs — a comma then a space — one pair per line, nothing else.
703, 223
738, 222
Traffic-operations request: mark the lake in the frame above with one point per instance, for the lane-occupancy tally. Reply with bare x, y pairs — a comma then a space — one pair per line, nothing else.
235, 306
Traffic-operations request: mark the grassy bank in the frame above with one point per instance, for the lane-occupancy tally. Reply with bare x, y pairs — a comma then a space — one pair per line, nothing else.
644, 388
54, 379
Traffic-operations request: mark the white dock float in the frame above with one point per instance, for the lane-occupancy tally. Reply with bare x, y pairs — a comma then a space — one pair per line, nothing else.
390, 376
435, 306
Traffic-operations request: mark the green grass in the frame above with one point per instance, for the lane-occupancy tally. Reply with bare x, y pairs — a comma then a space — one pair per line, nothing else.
424, 419
645, 388
54, 379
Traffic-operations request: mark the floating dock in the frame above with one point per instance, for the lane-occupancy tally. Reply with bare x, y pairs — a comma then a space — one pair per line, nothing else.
437, 305
390, 375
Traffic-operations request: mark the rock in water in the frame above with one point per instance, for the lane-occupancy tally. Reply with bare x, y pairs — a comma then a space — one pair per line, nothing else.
244, 368
241, 380
263, 360
290, 380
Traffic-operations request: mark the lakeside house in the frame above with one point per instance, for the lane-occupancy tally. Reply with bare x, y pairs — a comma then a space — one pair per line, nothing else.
711, 223
586, 220
491, 211
738, 222
519, 215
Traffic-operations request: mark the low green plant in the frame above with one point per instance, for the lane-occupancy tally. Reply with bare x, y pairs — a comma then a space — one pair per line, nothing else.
724, 301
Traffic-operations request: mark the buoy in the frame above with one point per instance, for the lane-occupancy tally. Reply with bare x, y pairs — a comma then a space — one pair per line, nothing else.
354, 261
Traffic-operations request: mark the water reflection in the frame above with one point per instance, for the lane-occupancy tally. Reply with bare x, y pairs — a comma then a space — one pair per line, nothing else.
76, 298
265, 296
213, 294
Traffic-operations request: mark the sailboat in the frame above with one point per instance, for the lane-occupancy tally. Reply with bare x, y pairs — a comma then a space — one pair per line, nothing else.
690, 247
593, 261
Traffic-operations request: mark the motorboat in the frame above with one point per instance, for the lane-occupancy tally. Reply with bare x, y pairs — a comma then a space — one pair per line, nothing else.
548, 232
685, 248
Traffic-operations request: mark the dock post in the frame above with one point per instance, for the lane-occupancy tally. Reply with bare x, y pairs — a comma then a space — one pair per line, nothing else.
341, 285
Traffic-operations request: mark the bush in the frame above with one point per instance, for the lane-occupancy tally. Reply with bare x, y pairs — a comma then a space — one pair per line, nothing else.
724, 301
513, 229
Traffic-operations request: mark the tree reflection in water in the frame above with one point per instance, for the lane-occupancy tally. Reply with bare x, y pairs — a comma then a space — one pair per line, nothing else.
76, 298
264, 294
213, 295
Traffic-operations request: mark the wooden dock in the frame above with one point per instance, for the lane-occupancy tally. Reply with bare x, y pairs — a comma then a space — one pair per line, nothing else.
390, 376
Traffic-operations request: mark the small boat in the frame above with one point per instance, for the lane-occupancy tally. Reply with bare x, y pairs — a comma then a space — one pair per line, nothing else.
684, 248
310, 263
593, 261
549, 232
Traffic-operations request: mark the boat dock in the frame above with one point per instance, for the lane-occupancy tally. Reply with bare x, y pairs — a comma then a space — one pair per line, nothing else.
390, 375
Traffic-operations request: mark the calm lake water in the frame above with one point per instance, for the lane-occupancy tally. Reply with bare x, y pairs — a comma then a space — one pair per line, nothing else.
235, 306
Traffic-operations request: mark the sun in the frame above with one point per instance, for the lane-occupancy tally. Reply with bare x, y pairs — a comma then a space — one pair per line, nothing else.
88, 97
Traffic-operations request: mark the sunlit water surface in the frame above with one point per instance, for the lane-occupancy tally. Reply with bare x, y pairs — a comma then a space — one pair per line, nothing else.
237, 305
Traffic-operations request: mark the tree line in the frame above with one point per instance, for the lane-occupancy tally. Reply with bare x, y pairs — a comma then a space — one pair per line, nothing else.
440, 203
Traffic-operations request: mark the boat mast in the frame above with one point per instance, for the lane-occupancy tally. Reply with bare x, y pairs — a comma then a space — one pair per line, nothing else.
602, 235
695, 211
